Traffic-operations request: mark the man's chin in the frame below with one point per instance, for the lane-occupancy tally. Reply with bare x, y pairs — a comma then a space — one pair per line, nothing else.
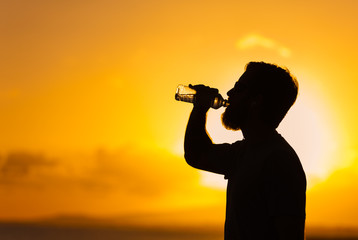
228, 123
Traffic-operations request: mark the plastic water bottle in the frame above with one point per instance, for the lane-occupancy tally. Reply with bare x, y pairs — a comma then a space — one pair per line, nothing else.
187, 94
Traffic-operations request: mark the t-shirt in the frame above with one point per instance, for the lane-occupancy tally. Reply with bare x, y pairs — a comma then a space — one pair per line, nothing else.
265, 180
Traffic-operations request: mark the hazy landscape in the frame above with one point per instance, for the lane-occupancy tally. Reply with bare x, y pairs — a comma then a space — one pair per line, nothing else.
89, 229
41, 232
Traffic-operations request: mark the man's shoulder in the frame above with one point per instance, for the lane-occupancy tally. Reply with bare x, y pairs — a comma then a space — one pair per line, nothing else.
282, 153
284, 165
279, 146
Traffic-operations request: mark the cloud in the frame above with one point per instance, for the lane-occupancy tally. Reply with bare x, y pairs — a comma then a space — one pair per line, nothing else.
128, 170
126, 180
255, 40
21, 164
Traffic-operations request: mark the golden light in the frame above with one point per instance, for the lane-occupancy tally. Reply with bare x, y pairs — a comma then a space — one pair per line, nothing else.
78, 78
308, 127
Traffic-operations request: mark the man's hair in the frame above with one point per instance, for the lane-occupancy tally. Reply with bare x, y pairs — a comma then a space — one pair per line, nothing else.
278, 88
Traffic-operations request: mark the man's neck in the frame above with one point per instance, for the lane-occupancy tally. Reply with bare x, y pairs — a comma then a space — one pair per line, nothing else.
258, 132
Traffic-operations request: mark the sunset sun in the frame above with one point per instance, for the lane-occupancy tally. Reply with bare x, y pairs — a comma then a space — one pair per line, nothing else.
308, 126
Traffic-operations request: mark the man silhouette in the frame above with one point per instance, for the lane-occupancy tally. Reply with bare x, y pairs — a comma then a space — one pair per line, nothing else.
266, 191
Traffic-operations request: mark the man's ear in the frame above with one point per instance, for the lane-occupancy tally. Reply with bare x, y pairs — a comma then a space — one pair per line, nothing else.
257, 101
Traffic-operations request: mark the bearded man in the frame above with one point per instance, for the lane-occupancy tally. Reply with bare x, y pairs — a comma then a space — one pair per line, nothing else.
266, 191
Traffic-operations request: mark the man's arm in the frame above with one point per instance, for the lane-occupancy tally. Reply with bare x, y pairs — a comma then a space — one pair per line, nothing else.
197, 141
200, 152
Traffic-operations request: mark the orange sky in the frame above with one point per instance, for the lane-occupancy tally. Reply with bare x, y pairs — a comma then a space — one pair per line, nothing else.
89, 124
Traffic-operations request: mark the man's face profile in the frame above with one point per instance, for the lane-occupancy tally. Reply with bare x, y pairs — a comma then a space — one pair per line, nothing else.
236, 113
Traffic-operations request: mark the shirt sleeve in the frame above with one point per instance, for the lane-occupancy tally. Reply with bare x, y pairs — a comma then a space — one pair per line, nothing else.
218, 159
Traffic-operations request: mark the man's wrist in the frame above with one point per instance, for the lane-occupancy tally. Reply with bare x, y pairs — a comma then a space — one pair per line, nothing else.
200, 110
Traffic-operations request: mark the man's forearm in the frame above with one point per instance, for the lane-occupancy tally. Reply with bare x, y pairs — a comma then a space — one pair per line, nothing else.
196, 138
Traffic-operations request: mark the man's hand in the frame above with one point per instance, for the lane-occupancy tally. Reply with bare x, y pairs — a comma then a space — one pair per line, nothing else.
204, 96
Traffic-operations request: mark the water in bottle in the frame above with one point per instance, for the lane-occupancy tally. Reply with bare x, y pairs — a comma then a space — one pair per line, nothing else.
187, 94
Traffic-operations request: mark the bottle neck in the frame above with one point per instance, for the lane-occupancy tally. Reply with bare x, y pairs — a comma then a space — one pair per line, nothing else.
225, 103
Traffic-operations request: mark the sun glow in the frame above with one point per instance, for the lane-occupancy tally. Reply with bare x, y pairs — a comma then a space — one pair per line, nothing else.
308, 131
307, 127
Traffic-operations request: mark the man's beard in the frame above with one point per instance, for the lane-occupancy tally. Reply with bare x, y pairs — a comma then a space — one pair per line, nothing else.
231, 119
